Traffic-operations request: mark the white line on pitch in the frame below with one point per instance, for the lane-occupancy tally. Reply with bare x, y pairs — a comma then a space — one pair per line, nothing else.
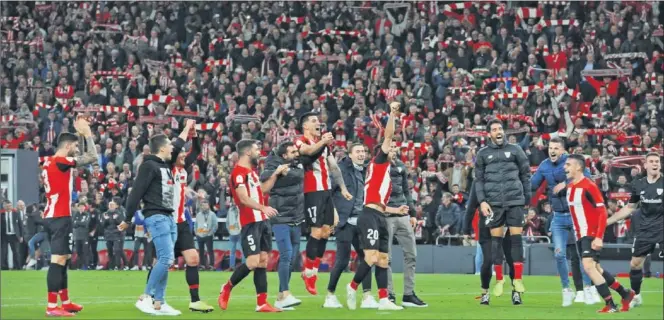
128, 299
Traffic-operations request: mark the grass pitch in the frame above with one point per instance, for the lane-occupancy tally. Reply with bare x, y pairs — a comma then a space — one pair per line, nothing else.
111, 295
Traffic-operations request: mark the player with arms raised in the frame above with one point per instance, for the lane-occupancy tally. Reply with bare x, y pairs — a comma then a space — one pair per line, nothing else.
372, 223
256, 235
57, 178
586, 205
320, 214
648, 192
184, 244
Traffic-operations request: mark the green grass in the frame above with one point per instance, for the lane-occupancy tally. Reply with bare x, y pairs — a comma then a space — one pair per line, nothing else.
111, 295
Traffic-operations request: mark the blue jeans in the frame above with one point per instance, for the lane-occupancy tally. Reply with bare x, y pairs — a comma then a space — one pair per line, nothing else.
561, 226
36, 239
478, 258
164, 233
235, 240
288, 242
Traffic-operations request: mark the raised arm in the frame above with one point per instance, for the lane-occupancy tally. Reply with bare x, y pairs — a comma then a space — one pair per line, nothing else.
87, 142
386, 146
194, 152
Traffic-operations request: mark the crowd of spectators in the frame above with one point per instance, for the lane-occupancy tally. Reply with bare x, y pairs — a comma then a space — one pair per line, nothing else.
590, 72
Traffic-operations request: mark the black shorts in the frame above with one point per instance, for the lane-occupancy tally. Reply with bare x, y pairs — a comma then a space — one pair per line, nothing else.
373, 230
59, 231
256, 238
584, 245
185, 240
348, 233
506, 217
319, 208
642, 248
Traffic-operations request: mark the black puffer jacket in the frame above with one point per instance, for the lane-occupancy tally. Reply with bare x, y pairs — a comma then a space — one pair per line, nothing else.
400, 193
287, 195
502, 175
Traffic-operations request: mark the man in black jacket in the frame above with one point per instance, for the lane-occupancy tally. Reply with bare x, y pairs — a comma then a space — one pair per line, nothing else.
81, 224
287, 198
401, 227
10, 228
154, 185
346, 233
113, 236
502, 186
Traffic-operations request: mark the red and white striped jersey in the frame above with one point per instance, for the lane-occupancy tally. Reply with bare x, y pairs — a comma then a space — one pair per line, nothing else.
587, 207
316, 175
378, 187
58, 184
180, 177
243, 177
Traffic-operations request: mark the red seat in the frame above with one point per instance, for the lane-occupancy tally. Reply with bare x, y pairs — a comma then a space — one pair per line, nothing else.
353, 264
327, 261
74, 257
141, 255
129, 254
273, 260
103, 257
218, 258
238, 257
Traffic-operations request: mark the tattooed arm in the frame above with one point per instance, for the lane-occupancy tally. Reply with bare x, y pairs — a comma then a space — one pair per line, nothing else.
338, 177
87, 143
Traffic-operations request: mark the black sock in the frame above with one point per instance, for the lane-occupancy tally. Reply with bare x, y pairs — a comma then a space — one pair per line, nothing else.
635, 279
381, 277
260, 280
54, 277
240, 273
148, 278
191, 273
312, 248
603, 290
64, 283
615, 285
485, 275
322, 246
497, 250
517, 248
362, 270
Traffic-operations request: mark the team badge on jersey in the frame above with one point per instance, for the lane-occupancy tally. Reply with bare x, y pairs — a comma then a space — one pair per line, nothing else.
508, 154
660, 191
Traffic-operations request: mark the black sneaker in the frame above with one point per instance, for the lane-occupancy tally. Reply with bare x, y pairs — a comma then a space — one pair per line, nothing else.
484, 299
516, 298
412, 301
392, 298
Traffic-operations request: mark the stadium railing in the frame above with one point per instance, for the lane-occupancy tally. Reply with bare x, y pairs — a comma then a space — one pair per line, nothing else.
449, 238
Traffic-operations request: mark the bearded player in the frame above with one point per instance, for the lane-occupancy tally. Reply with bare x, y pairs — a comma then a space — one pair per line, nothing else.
256, 234
320, 213
372, 223
57, 178
648, 193
589, 215
502, 186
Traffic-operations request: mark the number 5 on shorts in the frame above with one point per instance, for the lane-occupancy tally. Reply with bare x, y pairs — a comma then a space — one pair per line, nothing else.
312, 214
